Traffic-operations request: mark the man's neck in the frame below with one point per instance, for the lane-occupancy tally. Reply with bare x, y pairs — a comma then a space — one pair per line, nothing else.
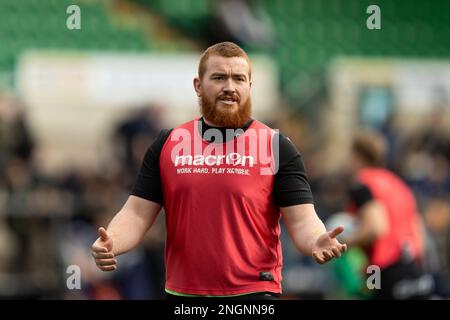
205, 125
209, 123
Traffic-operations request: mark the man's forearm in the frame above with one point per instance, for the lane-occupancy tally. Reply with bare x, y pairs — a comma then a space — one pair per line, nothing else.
130, 224
307, 234
126, 231
362, 237
304, 227
372, 224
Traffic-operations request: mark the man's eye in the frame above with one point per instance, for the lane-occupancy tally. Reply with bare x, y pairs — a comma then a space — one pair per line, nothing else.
218, 78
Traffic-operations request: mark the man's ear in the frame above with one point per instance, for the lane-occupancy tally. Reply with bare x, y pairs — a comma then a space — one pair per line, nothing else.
197, 86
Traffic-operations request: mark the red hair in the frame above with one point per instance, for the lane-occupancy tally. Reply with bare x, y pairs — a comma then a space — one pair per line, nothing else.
222, 49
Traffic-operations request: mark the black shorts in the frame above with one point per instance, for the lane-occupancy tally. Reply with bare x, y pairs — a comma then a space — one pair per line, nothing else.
405, 280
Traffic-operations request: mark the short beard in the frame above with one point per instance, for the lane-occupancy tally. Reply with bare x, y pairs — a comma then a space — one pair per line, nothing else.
224, 117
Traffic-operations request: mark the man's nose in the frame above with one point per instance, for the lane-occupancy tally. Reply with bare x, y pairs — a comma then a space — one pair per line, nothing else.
229, 86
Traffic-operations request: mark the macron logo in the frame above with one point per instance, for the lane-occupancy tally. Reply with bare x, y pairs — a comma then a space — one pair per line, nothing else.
234, 159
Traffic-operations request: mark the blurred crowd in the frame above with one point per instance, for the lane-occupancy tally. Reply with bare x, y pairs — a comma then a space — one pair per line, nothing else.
422, 159
48, 222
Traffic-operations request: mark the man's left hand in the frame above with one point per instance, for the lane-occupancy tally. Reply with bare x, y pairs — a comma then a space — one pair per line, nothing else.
328, 247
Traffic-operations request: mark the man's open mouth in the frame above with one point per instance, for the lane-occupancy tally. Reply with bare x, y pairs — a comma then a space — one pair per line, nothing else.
228, 100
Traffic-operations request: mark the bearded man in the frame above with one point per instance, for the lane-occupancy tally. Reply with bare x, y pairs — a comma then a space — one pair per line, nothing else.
225, 180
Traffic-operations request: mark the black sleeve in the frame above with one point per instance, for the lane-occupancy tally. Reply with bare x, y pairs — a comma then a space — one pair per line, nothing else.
148, 183
291, 185
360, 195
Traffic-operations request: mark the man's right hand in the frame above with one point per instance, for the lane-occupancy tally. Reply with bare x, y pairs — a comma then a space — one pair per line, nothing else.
102, 251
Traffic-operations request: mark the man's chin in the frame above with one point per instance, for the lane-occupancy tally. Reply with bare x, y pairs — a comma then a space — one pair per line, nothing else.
227, 110
223, 114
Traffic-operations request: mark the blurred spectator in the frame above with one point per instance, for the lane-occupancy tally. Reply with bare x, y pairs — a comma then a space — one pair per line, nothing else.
135, 134
15, 137
426, 160
388, 223
437, 222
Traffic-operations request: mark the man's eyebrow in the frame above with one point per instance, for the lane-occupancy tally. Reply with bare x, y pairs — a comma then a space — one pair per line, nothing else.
220, 73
